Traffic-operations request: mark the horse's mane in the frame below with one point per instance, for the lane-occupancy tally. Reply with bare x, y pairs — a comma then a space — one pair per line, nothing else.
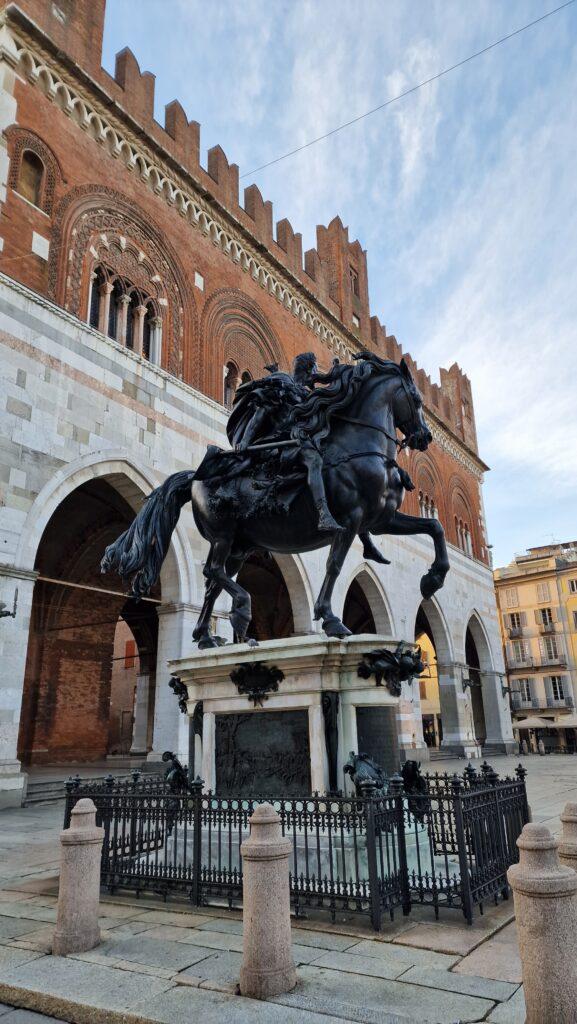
313, 416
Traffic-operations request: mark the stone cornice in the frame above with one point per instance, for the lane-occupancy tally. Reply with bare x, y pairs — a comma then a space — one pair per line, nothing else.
453, 445
48, 68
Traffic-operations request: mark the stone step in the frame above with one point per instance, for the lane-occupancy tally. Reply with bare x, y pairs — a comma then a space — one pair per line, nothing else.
440, 755
49, 790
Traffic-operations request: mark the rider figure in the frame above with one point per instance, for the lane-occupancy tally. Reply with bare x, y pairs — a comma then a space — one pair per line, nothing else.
262, 413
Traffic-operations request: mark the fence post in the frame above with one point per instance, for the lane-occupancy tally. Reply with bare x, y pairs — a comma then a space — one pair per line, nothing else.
267, 962
465, 881
545, 894
368, 787
71, 785
79, 890
521, 774
196, 793
568, 844
396, 790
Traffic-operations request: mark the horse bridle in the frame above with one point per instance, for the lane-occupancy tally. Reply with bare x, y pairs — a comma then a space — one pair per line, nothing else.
401, 445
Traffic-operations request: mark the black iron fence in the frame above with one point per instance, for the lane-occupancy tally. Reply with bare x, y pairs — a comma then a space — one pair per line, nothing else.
447, 847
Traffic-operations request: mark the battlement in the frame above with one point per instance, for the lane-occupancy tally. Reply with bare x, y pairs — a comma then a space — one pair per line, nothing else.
334, 273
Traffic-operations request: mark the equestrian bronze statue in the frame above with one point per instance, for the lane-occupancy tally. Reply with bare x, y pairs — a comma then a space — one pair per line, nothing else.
313, 464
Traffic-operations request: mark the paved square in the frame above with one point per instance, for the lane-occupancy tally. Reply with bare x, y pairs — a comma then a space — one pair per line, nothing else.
416, 970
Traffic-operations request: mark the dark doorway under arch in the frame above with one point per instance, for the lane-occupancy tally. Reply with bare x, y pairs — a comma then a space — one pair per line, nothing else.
357, 613
476, 690
272, 614
67, 700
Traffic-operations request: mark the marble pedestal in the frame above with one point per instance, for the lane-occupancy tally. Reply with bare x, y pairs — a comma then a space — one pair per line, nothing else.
312, 665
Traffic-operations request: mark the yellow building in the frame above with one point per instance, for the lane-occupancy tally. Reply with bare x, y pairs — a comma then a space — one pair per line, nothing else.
537, 601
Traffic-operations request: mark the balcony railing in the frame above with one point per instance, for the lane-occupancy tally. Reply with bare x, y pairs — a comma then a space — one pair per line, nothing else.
515, 632
546, 627
518, 663
519, 703
557, 660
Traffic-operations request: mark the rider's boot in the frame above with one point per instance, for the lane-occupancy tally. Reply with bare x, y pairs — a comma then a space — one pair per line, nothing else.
326, 519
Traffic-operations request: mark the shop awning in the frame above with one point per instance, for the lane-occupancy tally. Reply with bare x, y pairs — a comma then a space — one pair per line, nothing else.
535, 723
566, 722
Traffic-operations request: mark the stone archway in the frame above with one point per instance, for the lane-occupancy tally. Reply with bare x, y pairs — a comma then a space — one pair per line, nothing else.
66, 709
365, 608
130, 482
133, 482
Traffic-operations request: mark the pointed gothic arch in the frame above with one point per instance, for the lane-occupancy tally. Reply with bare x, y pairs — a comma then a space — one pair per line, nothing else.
234, 329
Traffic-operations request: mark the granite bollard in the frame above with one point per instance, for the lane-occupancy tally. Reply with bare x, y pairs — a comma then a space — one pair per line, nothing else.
79, 892
545, 894
568, 842
267, 962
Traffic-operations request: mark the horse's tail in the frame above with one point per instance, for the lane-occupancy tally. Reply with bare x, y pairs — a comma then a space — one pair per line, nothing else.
139, 552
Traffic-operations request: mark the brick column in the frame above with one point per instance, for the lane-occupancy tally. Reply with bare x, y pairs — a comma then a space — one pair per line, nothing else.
13, 652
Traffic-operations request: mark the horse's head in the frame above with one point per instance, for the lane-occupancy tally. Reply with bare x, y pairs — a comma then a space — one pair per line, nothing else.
408, 411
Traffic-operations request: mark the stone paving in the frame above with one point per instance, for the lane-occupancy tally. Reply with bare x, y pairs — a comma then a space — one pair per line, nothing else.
167, 963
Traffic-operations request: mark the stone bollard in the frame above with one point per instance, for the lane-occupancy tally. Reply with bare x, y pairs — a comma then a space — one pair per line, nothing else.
267, 962
545, 894
568, 843
79, 891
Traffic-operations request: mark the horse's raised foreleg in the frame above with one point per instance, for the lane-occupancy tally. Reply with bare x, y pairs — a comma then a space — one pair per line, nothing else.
339, 549
217, 572
402, 525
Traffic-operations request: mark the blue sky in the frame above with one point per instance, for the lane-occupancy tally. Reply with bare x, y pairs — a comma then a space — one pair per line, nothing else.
464, 194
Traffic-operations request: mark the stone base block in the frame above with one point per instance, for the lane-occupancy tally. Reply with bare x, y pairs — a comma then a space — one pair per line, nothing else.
79, 941
470, 751
266, 984
422, 754
508, 747
13, 786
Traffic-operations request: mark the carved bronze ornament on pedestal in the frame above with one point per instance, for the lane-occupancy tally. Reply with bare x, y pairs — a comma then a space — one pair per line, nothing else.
180, 691
257, 680
394, 667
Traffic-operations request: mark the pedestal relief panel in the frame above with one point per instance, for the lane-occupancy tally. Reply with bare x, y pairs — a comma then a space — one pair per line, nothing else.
266, 754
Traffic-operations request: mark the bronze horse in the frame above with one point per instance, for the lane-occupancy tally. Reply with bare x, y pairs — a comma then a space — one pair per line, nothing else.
354, 421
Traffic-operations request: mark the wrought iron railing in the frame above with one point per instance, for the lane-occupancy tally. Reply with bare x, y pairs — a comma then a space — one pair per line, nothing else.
447, 847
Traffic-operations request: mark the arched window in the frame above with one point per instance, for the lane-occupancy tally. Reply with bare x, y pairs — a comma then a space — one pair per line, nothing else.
246, 376
230, 383
121, 311
96, 284
148, 331
113, 309
427, 507
31, 177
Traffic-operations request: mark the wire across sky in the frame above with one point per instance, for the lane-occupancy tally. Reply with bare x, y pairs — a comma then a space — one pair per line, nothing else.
408, 92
